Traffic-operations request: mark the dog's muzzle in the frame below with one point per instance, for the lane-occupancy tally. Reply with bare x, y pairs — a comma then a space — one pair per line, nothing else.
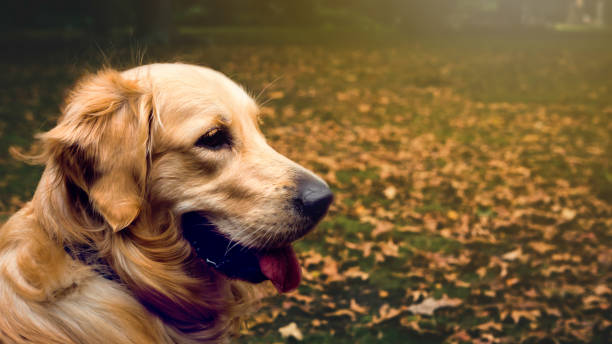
277, 264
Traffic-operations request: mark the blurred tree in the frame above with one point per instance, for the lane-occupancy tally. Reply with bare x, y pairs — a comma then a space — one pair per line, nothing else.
545, 11
154, 20
222, 12
408, 14
510, 13
600, 12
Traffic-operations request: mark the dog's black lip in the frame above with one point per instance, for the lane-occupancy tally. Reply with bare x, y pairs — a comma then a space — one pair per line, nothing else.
224, 255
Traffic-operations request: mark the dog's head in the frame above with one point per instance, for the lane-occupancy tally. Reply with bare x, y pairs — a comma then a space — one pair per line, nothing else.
185, 139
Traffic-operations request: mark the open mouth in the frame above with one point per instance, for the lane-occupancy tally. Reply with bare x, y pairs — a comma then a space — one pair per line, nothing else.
279, 265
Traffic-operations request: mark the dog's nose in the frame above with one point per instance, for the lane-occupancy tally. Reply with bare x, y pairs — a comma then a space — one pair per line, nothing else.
313, 198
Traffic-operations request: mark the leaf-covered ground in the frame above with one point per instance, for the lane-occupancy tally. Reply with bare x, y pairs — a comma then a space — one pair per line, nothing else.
472, 178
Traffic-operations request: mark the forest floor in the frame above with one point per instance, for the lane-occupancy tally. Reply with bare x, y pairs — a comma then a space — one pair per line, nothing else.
472, 179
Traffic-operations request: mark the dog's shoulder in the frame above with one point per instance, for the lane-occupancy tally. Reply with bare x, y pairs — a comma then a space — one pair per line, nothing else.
41, 286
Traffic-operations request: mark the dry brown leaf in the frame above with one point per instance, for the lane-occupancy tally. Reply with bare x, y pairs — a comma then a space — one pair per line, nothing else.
330, 269
553, 311
453, 215
410, 229
541, 247
316, 322
312, 258
462, 284
381, 227
365, 247
531, 315
342, 312
390, 192
389, 248
303, 298
568, 214
512, 281
429, 305
513, 255
364, 107
355, 272
488, 326
430, 223
291, 330
416, 294
385, 313
276, 95
357, 308
602, 289
573, 289
412, 324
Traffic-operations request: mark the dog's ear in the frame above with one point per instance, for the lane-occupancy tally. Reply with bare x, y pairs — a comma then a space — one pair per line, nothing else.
100, 144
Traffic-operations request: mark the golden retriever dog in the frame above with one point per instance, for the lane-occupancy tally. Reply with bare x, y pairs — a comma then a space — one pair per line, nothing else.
159, 203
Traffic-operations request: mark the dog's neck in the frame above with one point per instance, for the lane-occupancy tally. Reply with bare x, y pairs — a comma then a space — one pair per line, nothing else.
149, 257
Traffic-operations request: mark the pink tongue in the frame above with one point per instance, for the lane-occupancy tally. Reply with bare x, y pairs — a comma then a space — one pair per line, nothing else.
282, 268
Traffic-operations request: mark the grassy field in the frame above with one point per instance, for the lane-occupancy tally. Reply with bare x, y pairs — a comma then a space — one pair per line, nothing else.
472, 178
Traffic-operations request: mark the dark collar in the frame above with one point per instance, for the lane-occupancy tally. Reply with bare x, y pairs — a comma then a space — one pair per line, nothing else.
88, 255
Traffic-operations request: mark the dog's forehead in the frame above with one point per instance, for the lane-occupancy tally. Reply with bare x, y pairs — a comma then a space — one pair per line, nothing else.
189, 82
189, 98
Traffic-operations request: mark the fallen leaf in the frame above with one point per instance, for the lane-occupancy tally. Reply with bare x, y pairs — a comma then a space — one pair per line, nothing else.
411, 323
357, 308
381, 227
488, 326
276, 95
530, 315
568, 214
364, 107
541, 247
513, 255
342, 312
602, 289
512, 281
330, 269
355, 272
389, 248
390, 192
291, 330
385, 312
429, 305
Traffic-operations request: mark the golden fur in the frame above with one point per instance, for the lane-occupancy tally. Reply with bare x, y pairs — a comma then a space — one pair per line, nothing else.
121, 166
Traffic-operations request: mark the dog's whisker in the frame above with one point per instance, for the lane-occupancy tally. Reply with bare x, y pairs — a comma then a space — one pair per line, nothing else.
265, 102
266, 87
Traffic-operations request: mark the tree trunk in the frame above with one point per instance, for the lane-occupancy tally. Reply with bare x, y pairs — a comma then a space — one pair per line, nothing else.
574, 15
600, 13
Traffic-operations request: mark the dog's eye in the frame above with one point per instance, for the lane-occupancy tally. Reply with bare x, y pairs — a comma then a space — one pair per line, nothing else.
215, 139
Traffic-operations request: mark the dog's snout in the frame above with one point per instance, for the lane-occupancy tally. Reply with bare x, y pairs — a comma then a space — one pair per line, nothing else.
313, 197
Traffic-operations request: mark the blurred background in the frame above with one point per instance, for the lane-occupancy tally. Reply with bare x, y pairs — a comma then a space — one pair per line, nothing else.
468, 143
163, 20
